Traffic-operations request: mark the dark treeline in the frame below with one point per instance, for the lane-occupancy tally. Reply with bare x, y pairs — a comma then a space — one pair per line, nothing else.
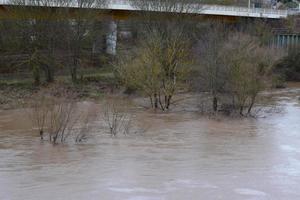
51, 41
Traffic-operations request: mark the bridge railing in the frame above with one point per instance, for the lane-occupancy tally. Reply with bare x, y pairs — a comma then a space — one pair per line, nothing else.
129, 4
245, 9
211, 7
50, 3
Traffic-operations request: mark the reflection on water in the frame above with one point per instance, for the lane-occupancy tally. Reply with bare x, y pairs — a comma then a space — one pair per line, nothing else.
181, 156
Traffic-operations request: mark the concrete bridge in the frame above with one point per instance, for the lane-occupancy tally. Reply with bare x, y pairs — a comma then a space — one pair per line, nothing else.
127, 7
283, 39
152, 6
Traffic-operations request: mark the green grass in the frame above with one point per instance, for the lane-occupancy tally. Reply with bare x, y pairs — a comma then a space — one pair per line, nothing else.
104, 74
18, 83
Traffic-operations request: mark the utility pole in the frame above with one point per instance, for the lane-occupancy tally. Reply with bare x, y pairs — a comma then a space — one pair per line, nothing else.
249, 4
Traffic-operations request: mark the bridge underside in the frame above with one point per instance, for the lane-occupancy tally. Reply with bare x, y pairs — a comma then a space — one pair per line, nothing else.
20, 12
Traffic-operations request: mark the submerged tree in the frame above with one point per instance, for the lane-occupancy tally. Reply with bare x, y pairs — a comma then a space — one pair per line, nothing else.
248, 67
157, 66
162, 57
54, 117
211, 68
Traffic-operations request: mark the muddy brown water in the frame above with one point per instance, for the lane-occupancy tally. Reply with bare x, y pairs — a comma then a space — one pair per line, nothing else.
181, 156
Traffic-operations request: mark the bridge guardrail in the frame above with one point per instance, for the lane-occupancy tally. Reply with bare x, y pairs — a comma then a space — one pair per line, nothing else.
129, 4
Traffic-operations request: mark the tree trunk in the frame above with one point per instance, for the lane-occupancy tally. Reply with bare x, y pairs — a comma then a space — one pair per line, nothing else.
36, 75
155, 101
49, 73
74, 74
241, 110
251, 104
75, 66
151, 101
42, 134
162, 107
168, 101
215, 104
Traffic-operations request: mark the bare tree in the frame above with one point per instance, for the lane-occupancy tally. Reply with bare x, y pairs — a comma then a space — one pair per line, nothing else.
211, 71
42, 31
39, 110
54, 116
80, 32
85, 126
116, 117
60, 117
51, 39
157, 67
161, 60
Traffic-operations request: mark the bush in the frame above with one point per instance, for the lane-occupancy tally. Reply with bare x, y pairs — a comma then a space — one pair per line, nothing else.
157, 66
289, 66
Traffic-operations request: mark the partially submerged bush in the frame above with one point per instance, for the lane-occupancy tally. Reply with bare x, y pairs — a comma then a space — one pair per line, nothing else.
86, 119
59, 118
53, 116
249, 67
116, 117
40, 108
61, 121
158, 65
237, 72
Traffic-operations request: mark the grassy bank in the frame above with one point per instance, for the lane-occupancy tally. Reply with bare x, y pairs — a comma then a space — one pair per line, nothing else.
93, 84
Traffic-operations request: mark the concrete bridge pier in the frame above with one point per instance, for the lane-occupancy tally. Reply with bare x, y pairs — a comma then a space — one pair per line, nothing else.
111, 38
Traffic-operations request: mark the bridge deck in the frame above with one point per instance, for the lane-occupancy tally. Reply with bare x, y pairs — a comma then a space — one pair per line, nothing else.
192, 8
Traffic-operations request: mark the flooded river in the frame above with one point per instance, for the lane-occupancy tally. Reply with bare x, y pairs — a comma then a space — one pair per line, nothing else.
181, 156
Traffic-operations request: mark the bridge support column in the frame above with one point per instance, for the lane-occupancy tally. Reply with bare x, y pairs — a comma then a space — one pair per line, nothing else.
111, 38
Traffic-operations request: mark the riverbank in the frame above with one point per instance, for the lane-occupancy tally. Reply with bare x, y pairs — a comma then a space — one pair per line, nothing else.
15, 94
21, 96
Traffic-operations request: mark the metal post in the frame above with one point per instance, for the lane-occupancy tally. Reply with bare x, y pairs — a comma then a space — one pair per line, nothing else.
249, 5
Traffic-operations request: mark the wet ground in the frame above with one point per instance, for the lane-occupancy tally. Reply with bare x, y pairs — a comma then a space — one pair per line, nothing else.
181, 156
